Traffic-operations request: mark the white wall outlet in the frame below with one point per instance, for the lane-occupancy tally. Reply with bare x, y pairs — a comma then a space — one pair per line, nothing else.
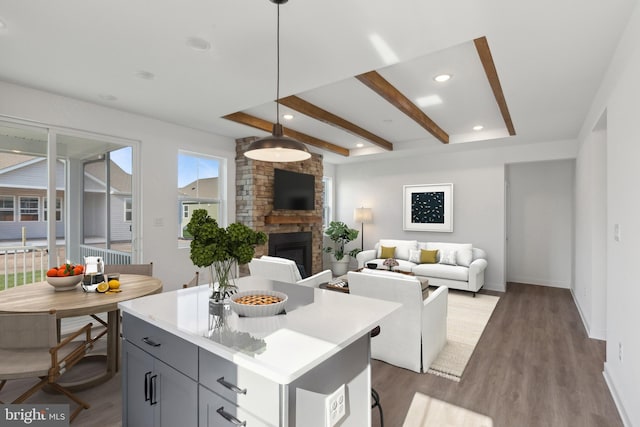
616, 232
620, 351
335, 407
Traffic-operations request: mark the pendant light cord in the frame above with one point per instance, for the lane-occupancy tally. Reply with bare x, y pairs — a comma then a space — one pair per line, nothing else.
278, 67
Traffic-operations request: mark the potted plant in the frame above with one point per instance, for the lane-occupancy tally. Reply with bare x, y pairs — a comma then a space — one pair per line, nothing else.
340, 234
219, 249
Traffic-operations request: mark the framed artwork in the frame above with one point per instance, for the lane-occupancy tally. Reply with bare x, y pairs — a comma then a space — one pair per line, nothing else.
428, 207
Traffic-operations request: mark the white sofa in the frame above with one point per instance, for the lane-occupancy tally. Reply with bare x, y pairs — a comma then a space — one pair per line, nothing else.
285, 270
464, 267
412, 336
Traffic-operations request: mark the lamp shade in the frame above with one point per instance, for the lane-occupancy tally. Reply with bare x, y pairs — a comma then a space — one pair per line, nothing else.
363, 215
277, 148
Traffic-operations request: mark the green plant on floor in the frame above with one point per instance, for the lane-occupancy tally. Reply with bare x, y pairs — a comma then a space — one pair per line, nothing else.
221, 248
340, 234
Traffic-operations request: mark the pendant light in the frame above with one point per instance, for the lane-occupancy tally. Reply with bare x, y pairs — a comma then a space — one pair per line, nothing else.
277, 147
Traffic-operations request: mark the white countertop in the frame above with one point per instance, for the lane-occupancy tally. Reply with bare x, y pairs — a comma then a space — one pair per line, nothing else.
318, 323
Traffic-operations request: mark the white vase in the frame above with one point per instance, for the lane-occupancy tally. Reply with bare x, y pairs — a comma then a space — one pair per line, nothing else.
339, 268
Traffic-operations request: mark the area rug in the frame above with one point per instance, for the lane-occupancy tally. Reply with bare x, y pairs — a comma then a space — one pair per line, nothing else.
426, 411
466, 319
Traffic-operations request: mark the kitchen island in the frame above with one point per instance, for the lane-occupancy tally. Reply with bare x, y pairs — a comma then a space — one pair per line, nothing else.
187, 363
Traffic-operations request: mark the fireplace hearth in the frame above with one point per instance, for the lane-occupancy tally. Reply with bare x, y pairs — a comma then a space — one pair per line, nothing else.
293, 246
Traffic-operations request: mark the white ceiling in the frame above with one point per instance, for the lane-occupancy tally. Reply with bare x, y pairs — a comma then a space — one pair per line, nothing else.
550, 57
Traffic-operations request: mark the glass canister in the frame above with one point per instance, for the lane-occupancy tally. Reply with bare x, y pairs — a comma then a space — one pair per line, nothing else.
93, 273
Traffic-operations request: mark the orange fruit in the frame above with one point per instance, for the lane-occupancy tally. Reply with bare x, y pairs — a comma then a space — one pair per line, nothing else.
102, 287
52, 272
114, 284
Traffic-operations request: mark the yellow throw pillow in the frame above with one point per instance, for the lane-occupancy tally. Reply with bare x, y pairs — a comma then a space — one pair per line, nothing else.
428, 257
387, 252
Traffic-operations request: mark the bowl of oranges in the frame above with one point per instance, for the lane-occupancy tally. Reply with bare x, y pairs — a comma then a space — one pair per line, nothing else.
66, 277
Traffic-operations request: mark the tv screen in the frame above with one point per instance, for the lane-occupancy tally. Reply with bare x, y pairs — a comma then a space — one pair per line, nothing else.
293, 190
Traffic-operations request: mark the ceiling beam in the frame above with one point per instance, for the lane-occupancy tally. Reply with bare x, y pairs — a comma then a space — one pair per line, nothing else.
482, 46
379, 85
267, 126
315, 112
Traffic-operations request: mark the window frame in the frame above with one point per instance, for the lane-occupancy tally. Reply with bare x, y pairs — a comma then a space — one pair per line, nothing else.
58, 209
36, 209
4, 209
128, 209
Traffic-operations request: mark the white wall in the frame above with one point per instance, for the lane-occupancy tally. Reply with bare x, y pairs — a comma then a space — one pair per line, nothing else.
589, 289
479, 200
159, 144
619, 95
540, 223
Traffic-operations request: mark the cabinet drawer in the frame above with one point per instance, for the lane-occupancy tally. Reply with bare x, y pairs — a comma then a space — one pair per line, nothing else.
250, 391
215, 411
174, 351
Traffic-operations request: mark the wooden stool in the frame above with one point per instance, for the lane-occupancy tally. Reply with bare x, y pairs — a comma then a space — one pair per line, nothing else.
374, 394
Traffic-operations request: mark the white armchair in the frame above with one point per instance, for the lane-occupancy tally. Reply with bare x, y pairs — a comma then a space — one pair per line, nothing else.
285, 270
412, 336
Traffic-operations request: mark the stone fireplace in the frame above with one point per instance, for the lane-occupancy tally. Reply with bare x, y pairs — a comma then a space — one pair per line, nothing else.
294, 246
254, 206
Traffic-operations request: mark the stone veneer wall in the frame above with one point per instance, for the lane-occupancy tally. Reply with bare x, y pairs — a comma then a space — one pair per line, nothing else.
254, 201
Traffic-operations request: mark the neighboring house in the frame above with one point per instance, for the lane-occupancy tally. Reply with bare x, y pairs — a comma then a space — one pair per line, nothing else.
200, 194
23, 199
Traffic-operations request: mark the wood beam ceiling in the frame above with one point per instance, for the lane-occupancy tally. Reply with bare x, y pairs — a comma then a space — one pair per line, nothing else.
315, 112
267, 126
482, 46
382, 87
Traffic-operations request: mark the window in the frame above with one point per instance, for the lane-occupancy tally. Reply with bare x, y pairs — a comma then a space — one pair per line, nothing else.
29, 209
6, 208
127, 209
200, 186
58, 209
327, 201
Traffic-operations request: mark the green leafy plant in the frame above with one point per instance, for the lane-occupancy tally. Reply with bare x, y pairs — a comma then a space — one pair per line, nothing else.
220, 248
340, 234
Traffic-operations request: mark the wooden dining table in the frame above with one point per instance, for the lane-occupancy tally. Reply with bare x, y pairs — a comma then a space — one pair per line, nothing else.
41, 297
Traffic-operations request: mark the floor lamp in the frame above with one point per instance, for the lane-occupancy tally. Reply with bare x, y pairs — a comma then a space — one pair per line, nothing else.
363, 216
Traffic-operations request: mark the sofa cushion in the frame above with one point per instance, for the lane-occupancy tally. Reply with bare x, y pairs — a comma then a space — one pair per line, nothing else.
442, 246
428, 256
448, 257
387, 252
464, 256
402, 247
442, 271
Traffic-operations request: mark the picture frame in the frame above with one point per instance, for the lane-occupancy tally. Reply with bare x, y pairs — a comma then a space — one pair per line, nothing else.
428, 207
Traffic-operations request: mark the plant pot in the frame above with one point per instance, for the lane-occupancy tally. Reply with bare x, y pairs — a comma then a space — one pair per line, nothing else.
339, 268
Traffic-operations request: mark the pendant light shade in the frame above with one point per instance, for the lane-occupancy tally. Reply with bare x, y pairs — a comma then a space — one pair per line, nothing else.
277, 147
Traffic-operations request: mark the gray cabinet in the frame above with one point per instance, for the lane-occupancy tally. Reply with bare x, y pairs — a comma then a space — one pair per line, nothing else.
154, 393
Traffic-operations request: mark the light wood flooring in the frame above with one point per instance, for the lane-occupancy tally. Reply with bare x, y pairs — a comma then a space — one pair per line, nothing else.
533, 366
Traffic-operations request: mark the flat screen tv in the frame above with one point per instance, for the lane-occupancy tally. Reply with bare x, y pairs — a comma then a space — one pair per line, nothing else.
293, 190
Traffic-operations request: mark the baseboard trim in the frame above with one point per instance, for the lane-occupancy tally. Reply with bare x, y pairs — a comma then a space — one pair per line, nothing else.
541, 282
616, 397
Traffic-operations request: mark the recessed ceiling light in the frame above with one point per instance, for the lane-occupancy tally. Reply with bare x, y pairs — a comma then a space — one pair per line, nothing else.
441, 78
287, 116
478, 127
359, 145
16, 151
428, 101
145, 75
107, 97
197, 43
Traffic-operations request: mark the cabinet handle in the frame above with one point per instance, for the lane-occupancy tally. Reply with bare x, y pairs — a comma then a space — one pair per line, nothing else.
147, 389
150, 342
154, 394
227, 416
231, 387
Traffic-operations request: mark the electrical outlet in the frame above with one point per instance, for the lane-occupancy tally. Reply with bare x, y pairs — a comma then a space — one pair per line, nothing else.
620, 351
616, 232
335, 407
